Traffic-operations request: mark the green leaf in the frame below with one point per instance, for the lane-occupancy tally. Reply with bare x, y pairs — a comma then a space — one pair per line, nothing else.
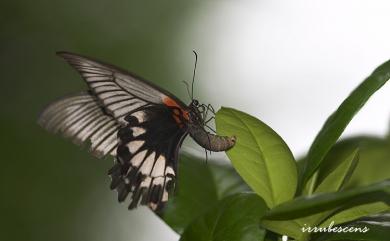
308, 205
373, 228
227, 180
235, 218
338, 121
200, 186
374, 153
355, 213
331, 180
291, 228
373, 165
374, 156
260, 156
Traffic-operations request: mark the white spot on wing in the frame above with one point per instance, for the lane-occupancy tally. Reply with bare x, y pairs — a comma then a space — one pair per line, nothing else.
138, 131
158, 181
147, 166
165, 196
159, 167
135, 146
137, 159
169, 170
140, 115
165, 193
153, 206
146, 182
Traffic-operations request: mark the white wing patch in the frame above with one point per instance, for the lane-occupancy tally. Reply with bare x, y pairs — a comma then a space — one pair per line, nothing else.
169, 170
137, 131
137, 160
135, 146
147, 165
159, 166
140, 115
81, 118
165, 196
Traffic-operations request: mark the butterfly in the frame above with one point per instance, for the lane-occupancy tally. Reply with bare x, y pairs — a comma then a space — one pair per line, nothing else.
140, 124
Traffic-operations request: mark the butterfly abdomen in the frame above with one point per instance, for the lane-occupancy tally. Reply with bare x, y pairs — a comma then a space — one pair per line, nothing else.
210, 141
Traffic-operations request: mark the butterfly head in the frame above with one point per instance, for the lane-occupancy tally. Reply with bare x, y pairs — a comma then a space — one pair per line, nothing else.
195, 103
195, 112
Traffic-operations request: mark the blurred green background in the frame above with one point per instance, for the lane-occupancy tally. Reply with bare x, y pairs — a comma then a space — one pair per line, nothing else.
52, 190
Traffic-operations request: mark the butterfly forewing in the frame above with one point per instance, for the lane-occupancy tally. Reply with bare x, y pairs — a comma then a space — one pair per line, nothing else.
118, 90
81, 118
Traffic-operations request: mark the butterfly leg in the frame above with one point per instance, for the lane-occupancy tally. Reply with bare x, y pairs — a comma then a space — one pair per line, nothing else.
203, 111
211, 129
211, 108
206, 109
206, 122
211, 118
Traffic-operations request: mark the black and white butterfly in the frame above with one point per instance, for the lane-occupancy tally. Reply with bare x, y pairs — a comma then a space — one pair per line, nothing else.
140, 124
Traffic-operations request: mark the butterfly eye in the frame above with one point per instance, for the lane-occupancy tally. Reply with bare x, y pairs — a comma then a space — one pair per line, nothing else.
195, 103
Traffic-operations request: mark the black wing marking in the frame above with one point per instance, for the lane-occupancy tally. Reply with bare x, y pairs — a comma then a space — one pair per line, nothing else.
81, 118
147, 157
118, 90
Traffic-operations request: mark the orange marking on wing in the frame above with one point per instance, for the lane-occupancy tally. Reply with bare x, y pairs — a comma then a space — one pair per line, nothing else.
172, 103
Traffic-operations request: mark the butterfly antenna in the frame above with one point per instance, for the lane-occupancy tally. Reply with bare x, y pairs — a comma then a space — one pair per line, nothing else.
188, 89
193, 75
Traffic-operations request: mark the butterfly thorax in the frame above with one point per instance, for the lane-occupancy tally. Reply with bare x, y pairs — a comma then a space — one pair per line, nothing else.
194, 113
205, 139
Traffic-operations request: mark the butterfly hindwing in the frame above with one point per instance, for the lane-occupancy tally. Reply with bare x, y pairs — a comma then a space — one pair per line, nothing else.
147, 156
